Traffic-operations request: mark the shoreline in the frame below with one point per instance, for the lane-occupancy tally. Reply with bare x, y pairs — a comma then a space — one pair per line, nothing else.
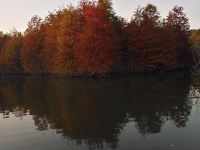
101, 76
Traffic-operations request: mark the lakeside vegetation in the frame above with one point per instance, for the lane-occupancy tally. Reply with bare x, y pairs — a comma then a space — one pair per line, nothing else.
90, 39
195, 38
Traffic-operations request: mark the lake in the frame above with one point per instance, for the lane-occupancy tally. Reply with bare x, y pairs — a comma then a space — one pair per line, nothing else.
142, 112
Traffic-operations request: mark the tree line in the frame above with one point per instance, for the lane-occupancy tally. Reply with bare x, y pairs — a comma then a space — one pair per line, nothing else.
90, 39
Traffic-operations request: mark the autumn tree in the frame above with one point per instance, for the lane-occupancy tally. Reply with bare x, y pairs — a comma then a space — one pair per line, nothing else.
68, 28
3, 38
106, 6
96, 48
49, 49
177, 24
118, 25
143, 36
91, 39
33, 43
10, 53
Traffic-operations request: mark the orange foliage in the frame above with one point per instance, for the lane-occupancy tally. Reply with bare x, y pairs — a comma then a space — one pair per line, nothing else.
32, 46
96, 49
91, 40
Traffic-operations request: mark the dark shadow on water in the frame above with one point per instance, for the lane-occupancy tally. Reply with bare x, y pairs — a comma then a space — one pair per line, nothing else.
94, 112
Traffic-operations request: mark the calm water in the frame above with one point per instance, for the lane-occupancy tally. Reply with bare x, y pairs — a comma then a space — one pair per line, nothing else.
129, 113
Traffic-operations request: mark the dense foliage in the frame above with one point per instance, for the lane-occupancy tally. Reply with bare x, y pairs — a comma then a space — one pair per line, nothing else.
91, 39
195, 41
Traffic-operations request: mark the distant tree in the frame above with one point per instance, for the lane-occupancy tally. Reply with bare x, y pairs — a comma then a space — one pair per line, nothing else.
3, 38
195, 41
195, 36
31, 55
10, 53
178, 25
106, 6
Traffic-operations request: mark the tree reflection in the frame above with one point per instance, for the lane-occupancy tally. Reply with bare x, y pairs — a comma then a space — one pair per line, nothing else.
94, 112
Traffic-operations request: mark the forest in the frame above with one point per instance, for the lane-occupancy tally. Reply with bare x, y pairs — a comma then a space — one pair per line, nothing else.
90, 39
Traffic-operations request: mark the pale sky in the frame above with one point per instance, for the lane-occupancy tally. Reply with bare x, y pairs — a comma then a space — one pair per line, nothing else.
17, 13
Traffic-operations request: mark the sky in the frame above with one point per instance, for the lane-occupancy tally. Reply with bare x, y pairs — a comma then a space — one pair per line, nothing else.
17, 13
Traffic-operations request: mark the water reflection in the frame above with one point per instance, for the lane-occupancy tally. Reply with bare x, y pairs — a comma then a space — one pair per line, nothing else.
94, 112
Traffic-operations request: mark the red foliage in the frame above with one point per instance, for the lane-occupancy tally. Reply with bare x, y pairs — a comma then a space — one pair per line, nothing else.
96, 45
50, 48
144, 40
32, 45
90, 39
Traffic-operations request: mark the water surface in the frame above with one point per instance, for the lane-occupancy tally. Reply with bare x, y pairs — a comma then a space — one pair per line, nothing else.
139, 112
